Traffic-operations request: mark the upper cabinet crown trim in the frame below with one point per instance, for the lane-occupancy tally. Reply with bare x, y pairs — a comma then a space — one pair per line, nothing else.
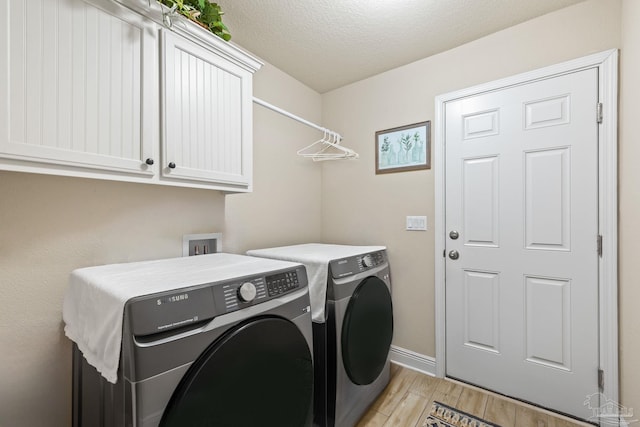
181, 25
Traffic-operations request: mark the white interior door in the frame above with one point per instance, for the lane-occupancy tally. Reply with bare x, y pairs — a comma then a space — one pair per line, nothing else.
522, 194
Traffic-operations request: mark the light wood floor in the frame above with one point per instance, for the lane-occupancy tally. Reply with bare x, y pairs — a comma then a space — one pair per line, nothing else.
407, 400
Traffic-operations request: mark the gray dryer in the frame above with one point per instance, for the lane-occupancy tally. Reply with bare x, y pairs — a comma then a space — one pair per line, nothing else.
350, 290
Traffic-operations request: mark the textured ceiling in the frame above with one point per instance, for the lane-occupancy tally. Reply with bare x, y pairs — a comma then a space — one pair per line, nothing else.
330, 43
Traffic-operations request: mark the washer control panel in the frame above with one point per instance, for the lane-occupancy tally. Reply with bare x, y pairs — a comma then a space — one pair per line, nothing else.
241, 293
190, 306
244, 292
281, 283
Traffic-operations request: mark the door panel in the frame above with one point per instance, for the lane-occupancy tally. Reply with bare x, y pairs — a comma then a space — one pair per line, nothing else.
547, 204
481, 302
548, 321
480, 201
521, 190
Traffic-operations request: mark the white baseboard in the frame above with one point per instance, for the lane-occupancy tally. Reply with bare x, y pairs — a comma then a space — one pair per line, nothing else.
412, 360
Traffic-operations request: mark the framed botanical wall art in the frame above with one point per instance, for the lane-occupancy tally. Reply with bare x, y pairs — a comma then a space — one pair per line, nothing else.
404, 148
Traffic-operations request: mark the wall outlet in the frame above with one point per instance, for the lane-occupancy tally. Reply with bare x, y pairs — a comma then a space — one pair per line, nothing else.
201, 244
416, 223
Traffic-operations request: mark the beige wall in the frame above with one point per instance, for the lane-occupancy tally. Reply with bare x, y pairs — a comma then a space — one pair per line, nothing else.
629, 194
360, 207
52, 225
284, 208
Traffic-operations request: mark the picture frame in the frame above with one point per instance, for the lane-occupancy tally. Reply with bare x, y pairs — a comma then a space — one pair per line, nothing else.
404, 148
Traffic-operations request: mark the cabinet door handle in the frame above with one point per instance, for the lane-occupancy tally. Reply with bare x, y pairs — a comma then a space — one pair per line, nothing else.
172, 165
149, 161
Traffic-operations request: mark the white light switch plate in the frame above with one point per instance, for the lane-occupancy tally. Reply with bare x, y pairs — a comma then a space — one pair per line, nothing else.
416, 223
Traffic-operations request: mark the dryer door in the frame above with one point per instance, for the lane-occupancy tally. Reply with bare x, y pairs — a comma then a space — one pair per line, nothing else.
367, 331
260, 373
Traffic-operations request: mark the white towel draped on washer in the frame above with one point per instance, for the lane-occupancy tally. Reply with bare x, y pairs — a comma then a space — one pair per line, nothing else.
94, 302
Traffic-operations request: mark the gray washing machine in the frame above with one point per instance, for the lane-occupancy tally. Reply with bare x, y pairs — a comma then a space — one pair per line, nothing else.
352, 341
243, 358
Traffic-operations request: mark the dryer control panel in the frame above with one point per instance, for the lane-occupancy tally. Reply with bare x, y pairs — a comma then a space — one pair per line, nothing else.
357, 264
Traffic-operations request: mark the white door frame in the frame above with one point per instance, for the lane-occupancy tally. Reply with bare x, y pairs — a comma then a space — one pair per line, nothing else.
607, 64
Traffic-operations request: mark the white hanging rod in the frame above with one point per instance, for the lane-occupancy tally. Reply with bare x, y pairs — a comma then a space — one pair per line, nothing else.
294, 117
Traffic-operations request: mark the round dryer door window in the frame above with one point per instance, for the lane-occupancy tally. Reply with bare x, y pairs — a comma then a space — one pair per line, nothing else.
259, 373
367, 331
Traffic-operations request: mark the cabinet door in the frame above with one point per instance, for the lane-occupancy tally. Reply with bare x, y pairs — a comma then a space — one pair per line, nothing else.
77, 83
207, 114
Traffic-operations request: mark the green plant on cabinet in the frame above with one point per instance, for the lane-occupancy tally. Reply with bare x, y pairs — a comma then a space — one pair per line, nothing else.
203, 12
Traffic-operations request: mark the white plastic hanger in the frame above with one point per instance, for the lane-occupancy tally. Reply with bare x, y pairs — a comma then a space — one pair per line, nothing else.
308, 152
327, 148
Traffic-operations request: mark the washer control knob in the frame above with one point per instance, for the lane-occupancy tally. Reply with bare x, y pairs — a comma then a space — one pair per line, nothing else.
247, 292
367, 261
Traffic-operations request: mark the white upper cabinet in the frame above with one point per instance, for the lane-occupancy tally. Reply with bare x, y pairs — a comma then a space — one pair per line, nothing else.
78, 86
89, 88
206, 115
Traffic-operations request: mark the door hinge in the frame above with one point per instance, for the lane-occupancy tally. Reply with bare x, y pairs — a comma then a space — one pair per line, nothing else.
600, 245
600, 379
599, 112
444, 253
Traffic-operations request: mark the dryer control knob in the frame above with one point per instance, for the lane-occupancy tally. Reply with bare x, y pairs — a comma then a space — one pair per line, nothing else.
247, 292
367, 261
